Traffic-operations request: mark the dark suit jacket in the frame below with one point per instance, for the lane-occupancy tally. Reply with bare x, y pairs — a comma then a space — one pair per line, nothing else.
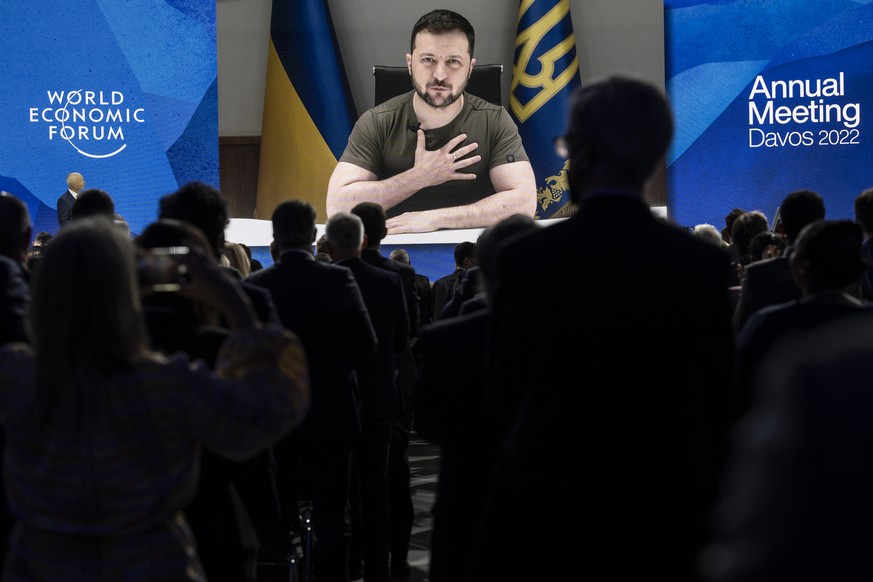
797, 502
322, 304
627, 372
442, 291
766, 282
377, 375
422, 289
405, 360
407, 277
261, 299
65, 208
765, 328
451, 411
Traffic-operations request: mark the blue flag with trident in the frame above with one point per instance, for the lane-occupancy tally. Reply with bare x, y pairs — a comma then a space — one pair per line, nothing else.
544, 75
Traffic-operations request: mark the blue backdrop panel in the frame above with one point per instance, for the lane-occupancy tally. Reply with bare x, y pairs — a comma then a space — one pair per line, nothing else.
122, 92
777, 100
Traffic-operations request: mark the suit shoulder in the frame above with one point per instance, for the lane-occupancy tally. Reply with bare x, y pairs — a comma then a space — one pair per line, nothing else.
374, 272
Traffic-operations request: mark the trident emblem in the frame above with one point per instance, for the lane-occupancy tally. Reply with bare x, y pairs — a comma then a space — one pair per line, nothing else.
548, 80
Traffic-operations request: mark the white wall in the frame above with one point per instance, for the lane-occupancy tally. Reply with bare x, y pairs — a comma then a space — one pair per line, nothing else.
611, 36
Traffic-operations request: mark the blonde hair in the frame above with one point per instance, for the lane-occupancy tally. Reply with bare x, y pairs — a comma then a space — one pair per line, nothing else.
237, 258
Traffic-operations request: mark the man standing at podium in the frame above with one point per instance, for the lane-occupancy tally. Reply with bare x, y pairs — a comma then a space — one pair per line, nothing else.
436, 157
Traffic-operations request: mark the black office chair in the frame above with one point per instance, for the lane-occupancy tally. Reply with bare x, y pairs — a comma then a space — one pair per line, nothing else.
485, 82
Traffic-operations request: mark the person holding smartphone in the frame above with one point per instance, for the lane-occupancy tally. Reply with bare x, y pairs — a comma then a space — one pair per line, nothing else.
104, 435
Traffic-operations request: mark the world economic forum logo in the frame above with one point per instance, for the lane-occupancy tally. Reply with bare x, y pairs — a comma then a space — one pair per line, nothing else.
92, 122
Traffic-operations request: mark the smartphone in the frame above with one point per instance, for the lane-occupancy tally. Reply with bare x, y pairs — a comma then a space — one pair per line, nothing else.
159, 269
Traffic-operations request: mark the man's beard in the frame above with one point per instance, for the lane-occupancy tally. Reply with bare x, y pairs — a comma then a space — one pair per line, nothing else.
449, 99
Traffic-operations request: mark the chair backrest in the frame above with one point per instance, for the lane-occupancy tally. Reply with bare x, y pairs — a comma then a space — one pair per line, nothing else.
485, 82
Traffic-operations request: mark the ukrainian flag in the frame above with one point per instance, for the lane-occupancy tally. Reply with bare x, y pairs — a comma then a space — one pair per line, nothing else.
308, 107
544, 75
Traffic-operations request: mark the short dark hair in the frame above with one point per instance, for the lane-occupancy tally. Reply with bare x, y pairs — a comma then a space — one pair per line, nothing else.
798, 209
294, 224
864, 210
624, 122
492, 237
93, 202
443, 21
764, 239
833, 250
746, 226
463, 251
374, 218
203, 206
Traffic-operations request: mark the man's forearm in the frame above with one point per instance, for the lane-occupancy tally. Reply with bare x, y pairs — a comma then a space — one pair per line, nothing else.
389, 192
480, 214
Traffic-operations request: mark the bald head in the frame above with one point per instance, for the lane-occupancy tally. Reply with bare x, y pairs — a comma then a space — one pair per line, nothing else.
75, 182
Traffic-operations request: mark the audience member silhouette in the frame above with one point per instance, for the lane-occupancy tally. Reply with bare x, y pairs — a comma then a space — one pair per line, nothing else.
444, 287
380, 399
15, 231
231, 496
122, 224
796, 505
746, 227
466, 288
451, 411
766, 245
203, 206
709, 233
827, 266
254, 264
632, 380
770, 282
422, 288
75, 184
321, 245
103, 436
863, 206
93, 202
237, 258
322, 304
402, 511
729, 220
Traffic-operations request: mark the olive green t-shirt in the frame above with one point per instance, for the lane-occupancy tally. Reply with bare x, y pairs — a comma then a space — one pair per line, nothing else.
384, 138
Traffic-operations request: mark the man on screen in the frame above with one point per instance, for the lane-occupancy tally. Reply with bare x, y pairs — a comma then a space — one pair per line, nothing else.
436, 157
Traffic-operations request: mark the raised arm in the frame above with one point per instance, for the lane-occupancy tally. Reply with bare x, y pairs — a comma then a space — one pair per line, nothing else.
350, 184
515, 193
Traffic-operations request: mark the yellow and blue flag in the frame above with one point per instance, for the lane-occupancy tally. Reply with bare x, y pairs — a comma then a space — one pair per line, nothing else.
544, 75
308, 107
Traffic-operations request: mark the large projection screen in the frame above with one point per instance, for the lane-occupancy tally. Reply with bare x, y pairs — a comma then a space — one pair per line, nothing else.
124, 93
770, 96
